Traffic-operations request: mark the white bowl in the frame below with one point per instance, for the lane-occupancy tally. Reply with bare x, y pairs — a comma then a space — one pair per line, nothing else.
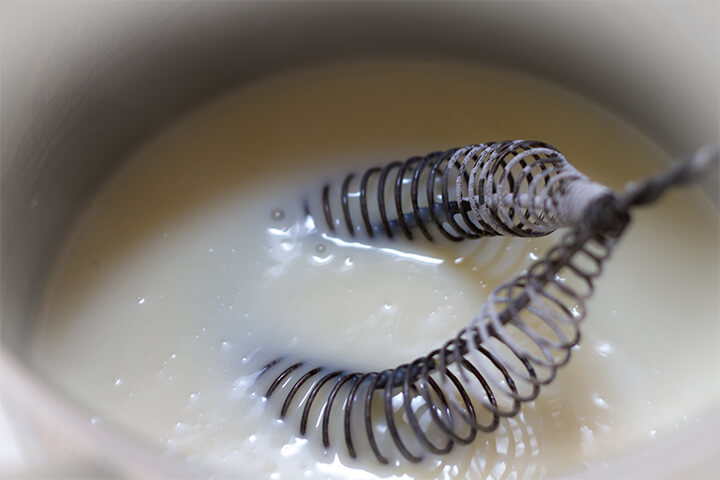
84, 83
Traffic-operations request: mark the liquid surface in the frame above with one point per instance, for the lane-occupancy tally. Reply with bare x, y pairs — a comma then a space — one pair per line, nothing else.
194, 264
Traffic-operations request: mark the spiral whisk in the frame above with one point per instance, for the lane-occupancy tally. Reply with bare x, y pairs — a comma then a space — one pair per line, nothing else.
524, 331
501, 188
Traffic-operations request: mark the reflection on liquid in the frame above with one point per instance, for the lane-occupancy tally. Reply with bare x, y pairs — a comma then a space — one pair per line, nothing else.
509, 453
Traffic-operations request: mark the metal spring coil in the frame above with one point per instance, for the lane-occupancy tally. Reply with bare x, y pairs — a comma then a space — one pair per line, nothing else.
469, 373
498, 188
523, 333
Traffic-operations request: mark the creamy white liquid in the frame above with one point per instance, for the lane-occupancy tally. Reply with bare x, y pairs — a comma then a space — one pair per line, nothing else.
178, 280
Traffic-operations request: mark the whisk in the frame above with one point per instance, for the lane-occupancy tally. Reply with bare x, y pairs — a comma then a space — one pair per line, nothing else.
504, 188
524, 331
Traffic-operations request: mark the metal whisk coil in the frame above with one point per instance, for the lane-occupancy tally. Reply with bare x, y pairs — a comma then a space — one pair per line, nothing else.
498, 188
522, 334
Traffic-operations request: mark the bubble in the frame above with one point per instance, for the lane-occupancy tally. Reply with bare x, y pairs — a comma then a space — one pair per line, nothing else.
140, 300
277, 214
323, 256
118, 382
322, 260
604, 349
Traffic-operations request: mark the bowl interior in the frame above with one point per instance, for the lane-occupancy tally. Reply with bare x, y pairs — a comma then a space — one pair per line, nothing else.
84, 84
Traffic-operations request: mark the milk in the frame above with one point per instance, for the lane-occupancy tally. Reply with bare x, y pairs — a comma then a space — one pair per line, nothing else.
195, 265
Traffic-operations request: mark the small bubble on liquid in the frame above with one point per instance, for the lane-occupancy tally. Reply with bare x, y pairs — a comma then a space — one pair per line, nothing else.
323, 258
211, 250
348, 261
320, 248
140, 300
604, 349
118, 382
599, 401
173, 356
387, 306
277, 214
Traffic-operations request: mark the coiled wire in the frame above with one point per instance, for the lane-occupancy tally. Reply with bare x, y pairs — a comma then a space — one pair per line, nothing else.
523, 333
498, 188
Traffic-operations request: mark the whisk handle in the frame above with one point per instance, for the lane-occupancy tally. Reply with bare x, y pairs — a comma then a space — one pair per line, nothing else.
649, 190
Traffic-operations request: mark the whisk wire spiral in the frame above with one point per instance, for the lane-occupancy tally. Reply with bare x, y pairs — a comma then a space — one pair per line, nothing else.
498, 188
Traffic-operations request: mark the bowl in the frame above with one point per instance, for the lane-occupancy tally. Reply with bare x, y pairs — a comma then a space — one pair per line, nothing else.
85, 83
